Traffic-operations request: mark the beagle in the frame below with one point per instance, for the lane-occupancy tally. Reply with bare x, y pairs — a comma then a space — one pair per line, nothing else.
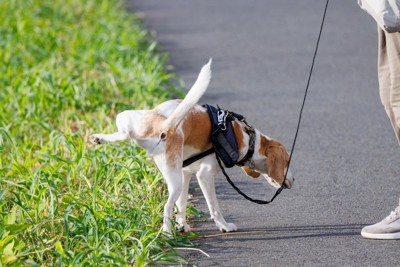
178, 129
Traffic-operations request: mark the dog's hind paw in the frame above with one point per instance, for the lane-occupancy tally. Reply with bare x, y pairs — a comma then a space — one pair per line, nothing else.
187, 228
229, 227
95, 139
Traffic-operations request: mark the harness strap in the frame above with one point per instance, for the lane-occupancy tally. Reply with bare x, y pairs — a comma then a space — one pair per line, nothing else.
194, 158
252, 134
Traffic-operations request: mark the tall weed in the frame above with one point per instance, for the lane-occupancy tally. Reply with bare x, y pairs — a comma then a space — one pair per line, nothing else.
68, 66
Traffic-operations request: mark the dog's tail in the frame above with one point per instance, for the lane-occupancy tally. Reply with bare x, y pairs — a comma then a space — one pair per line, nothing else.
191, 99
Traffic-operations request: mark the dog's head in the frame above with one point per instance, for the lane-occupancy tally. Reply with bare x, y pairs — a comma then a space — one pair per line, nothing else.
277, 162
272, 163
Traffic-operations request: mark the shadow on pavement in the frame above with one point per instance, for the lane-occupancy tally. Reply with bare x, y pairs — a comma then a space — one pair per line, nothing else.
287, 232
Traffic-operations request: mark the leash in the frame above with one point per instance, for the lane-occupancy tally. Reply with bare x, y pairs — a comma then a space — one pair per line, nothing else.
212, 150
306, 91
262, 202
258, 201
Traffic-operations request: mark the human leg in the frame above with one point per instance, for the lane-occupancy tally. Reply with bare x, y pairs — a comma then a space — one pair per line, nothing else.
389, 88
393, 48
389, 76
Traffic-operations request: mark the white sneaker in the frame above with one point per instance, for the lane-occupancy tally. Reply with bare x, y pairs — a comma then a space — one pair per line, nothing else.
388, 228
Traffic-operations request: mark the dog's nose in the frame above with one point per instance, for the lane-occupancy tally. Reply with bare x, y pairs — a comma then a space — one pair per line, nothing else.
288, 182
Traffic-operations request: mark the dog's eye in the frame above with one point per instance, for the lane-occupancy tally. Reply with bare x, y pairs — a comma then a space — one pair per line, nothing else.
163, 136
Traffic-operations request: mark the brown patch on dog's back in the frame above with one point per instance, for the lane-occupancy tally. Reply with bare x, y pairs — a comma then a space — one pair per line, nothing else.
197, 128
152, 128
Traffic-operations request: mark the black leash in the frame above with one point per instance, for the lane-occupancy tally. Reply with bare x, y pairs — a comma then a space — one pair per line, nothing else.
211, 150
308, 84
258, 201
262, 202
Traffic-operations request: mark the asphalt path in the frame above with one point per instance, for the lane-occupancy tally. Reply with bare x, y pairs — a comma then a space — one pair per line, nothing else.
346, 161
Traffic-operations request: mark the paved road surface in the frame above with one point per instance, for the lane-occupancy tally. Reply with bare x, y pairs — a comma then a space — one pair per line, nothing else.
346, 161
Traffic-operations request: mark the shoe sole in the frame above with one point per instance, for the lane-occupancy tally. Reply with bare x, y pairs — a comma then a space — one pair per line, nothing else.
388, 236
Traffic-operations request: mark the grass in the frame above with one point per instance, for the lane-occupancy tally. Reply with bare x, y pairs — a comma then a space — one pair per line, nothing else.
68, 66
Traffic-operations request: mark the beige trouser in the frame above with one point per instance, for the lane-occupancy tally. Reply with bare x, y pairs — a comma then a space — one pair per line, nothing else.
389, 76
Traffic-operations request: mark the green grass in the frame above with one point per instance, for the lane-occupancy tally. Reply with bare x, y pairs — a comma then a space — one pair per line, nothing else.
67, 68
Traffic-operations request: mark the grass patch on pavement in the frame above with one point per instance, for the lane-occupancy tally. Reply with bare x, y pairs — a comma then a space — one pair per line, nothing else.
68, 66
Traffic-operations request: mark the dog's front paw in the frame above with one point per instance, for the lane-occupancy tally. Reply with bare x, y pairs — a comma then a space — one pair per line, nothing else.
184, 228
96, 139
229, 227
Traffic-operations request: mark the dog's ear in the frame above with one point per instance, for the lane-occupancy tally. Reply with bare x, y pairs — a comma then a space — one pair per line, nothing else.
276, 161
272, 163
250, 172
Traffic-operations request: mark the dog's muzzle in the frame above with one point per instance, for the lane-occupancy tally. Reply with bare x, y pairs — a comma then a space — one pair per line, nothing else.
288, 182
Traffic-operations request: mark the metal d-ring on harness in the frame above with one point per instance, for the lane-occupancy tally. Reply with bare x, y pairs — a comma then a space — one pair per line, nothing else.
248, 129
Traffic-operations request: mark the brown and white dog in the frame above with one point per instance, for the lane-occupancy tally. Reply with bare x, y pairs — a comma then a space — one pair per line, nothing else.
178, 129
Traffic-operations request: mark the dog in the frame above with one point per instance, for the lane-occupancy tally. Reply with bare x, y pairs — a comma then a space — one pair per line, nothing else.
178, 129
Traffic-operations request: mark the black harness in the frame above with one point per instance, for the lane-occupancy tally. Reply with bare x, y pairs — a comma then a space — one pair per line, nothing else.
224, 140
225, 145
